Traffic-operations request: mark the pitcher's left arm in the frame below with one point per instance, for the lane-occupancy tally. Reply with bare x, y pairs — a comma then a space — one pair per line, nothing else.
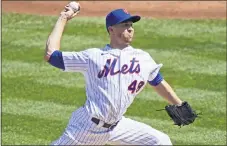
179, 111
165, 90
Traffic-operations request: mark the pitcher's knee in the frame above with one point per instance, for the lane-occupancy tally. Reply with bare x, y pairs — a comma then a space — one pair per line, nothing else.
160, 139
164, 139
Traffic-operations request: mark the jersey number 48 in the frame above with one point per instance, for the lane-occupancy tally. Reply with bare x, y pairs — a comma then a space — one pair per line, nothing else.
134, 87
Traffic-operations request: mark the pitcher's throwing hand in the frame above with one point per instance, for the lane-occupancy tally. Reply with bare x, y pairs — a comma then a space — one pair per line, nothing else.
71, 10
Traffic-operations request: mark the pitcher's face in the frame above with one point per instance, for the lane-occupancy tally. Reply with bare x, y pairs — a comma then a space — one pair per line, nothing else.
123, 32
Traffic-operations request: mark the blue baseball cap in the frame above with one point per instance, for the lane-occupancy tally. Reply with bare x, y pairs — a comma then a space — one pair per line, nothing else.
118, 16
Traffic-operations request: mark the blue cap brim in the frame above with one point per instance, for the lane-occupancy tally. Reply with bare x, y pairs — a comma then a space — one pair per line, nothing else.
132, 18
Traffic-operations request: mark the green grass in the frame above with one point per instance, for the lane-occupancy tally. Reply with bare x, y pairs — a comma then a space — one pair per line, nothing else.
37, 99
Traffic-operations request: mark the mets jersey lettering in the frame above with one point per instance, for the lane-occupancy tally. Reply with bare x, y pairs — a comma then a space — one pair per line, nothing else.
112, 80
110, 68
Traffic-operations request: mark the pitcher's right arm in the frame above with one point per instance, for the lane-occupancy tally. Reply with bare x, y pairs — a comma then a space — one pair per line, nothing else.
68, 61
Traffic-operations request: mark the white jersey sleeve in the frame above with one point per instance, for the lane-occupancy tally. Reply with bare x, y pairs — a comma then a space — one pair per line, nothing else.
154, 69
75, 61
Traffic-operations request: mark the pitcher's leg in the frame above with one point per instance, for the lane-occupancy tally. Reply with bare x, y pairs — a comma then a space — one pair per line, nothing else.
82, 131
83, 138
65, 139
130, 132
74, 126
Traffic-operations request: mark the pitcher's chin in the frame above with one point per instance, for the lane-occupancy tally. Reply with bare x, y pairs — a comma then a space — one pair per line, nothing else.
128, 41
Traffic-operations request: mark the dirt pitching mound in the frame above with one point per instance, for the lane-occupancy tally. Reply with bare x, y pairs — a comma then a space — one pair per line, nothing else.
156, 9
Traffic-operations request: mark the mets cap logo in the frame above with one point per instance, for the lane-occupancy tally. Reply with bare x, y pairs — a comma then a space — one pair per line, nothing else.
125, 11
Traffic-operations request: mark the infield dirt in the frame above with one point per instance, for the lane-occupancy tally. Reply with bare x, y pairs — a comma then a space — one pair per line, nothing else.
156, 9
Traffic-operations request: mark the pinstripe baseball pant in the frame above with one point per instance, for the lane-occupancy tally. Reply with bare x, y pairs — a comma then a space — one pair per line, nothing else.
82, 131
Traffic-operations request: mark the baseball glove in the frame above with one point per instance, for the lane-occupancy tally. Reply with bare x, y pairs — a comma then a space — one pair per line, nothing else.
181, 114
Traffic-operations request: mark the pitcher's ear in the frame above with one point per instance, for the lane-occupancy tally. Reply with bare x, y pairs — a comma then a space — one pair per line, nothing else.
110, 29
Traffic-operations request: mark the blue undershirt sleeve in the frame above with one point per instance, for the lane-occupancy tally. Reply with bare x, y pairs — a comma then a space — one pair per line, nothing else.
156, 80
56, 60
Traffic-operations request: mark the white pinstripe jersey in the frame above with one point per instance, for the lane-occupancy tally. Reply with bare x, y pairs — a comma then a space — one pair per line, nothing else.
113, 78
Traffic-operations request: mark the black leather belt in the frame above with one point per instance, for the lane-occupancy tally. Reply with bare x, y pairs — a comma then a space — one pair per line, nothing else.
110, 126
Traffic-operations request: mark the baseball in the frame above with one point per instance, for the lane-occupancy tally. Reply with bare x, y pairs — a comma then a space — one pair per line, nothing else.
75, 6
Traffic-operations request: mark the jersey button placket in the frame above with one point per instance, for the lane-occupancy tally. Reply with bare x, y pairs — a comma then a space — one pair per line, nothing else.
120, 82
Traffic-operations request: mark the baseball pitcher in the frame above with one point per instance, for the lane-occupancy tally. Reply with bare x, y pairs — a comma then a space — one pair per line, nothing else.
114, 75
